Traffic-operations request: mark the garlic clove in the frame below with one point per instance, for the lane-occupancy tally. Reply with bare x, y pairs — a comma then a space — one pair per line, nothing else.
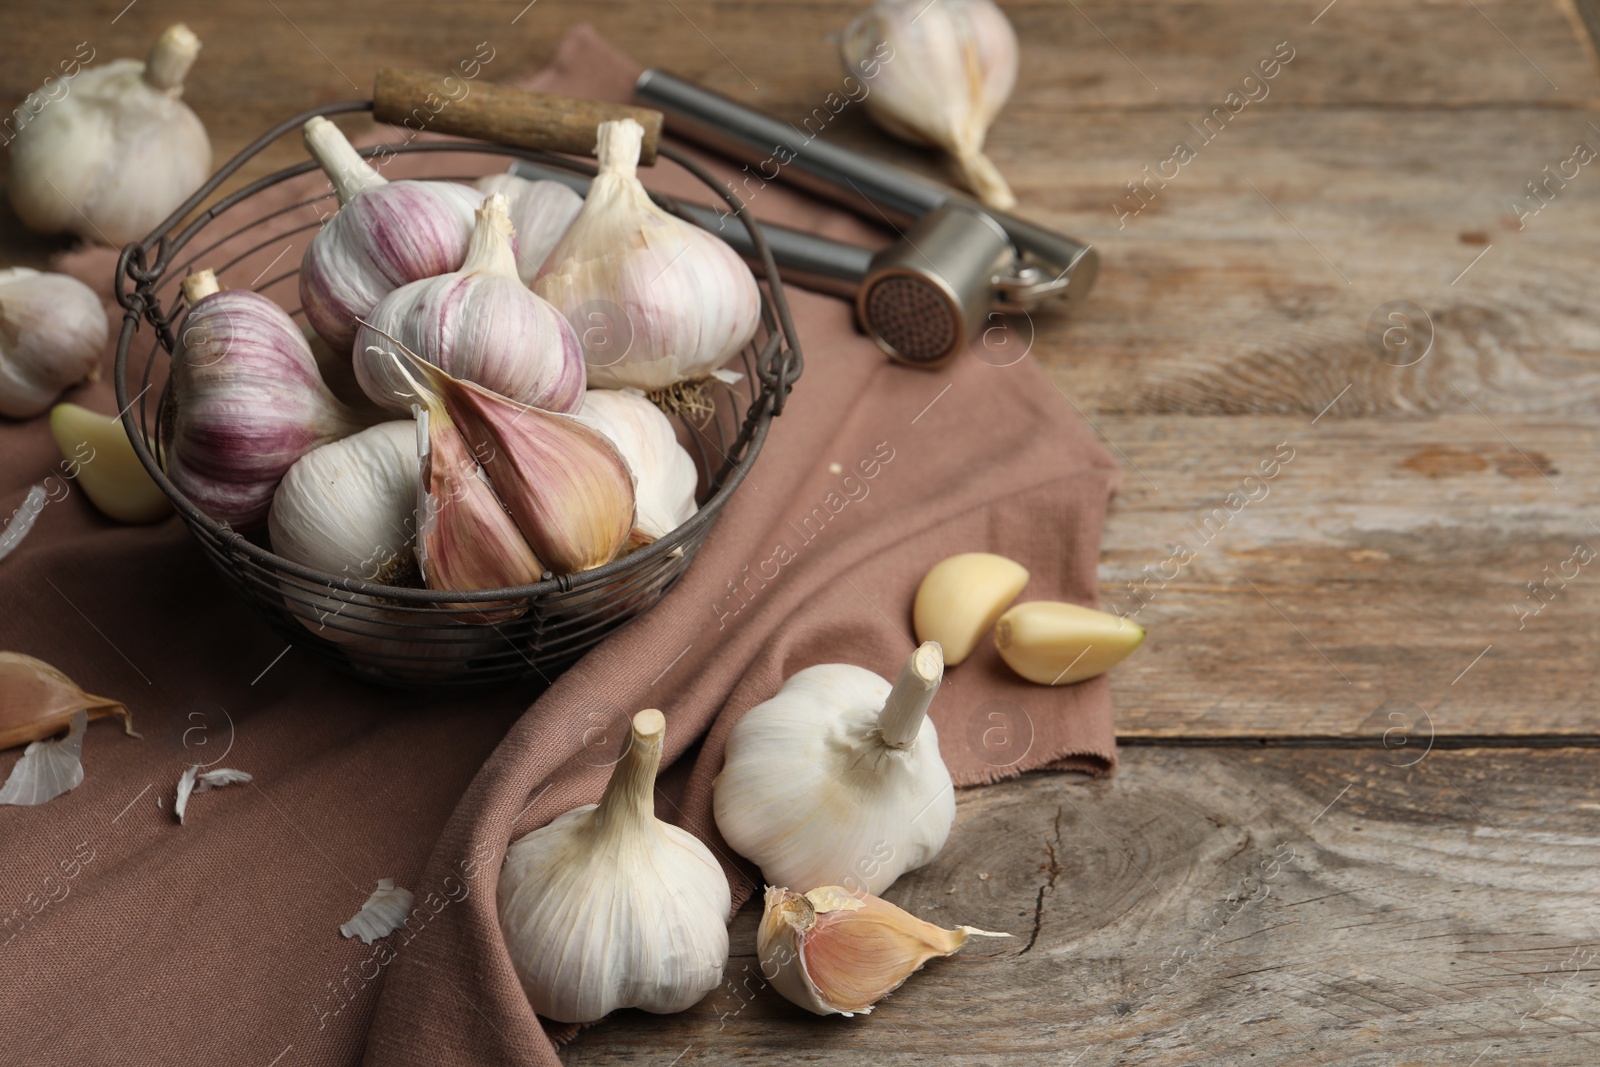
834, 952
541, 211
837, 779
664, 474
52, 331
961, 597
567, 487
1052, 643
385, 235
658, 303
608, 907
36, 701
941, 73
116, 152
480, 324
48, 768
107, 469
245, 402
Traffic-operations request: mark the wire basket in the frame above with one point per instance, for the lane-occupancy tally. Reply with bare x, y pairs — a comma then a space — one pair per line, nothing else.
413, 636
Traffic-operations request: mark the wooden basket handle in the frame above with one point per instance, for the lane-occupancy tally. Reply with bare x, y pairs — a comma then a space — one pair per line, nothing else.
419, 100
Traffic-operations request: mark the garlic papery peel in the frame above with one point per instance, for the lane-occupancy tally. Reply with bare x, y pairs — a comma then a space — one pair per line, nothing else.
245, 402
944, 70
37, 701
541, 211
22, 520
608, 907
960, 598
481, 324
383, 913
117, 153
834, 952
385, 235
109, 471
195, 781
48, 768
1052, 643
656, 301
52, 331
664, 474
837, 780
567, 487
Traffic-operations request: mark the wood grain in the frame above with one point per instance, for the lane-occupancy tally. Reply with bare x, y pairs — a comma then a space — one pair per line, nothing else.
1295, 907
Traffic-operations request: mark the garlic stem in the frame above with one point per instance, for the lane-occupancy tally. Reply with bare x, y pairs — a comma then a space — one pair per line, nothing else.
630, 796
913, 691
199, 285
174, 53
489, 251
350, 174
618, 147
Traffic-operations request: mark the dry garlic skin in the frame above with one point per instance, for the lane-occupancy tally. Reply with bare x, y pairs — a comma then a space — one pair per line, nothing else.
961, 597
1052, 643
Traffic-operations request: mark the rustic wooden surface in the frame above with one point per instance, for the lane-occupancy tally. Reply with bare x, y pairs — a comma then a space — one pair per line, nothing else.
1349, 667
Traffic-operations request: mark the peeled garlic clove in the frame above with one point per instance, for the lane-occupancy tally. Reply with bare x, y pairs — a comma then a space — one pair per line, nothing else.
541, 211
245, 402
664, 473
480, 324
608, 907
833, 952
1057, 644
961, 597
48, 768
838, 779
52, 331
116, 152
385, 235
942, 71
36, 701
107, 469
655, 300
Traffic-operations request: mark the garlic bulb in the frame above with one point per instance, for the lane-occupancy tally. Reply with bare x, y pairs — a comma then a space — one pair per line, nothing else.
385, 235
109, 471
607, 907
833, 952
664, 473
944, 70
245, 402
480, 324
961, 597
655, 300
837, 780
114, 156
52, 331
541, 211
36, 701
346, 508
567, 487
1051, 643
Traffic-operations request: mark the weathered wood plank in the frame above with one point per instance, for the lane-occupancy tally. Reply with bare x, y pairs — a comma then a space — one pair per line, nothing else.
1267, 907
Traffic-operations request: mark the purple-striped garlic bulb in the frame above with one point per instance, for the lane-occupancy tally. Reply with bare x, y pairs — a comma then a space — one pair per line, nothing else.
385, 235
540, 210
480, 324
245, 402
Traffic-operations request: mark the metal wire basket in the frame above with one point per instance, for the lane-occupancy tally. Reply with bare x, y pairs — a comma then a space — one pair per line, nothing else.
388, 633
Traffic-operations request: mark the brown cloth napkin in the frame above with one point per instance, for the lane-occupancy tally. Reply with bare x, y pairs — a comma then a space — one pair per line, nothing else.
133, 938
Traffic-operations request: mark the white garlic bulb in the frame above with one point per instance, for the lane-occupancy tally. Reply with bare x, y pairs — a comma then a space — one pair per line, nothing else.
541, 211
385, 235
480, 324
52, 331
664, 474
943, 71
112, 158
607, 907
837, 780
656, 301
346, 508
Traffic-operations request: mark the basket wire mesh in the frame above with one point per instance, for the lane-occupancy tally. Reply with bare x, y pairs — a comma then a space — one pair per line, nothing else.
403, 635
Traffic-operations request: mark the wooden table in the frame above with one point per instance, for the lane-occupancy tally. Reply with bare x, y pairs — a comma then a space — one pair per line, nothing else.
1354, 819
